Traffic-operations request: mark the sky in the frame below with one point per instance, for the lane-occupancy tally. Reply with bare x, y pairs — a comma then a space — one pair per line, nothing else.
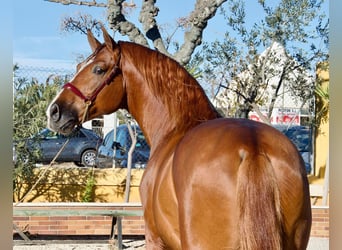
38, 40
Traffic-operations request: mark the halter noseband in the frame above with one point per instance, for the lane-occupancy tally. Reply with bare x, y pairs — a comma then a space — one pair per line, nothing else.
90, 99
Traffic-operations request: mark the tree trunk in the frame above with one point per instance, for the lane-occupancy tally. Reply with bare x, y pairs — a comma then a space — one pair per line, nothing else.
117, 21
197, 21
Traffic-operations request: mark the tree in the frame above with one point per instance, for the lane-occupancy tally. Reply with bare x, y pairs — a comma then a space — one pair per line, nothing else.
289, 34
193, 25
30, 101
322, 93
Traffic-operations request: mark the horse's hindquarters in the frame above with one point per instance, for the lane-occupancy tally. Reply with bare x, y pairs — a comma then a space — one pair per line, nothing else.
207, 211
207, 170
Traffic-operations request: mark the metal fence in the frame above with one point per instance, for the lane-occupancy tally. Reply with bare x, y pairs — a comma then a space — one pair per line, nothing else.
113, 154
45, 74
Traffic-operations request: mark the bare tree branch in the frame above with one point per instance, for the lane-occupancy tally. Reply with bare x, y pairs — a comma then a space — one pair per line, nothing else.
264, 118
196, 23
86, 3
117, 21
147, 18
204, 10
80, 23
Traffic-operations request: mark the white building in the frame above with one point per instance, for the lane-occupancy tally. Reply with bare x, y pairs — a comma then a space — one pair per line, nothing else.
288, 108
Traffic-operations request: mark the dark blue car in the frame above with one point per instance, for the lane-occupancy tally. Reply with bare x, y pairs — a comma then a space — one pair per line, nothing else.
121, 146
301, 136
81, 148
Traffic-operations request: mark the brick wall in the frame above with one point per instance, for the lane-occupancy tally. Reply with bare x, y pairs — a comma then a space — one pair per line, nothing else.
101, 225
79, 225
320, 222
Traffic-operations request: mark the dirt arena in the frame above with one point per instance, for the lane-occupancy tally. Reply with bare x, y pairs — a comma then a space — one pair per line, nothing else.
128, 244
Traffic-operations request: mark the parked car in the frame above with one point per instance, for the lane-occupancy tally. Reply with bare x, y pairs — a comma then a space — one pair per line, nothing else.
81, 148
121, 146
301, 136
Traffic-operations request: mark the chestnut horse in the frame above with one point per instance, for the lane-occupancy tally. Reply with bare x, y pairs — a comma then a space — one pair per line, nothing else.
211, 182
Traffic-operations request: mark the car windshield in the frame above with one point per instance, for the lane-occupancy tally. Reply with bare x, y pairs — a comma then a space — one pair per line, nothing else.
108, 140
141, 142
125, 141
46, 134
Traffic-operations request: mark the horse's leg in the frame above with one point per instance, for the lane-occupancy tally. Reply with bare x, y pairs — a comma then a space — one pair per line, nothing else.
206, 193
207, 215
160, 207
296, 208
152, 241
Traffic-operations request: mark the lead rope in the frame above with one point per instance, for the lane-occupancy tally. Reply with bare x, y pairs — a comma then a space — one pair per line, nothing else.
42, 174
87, 104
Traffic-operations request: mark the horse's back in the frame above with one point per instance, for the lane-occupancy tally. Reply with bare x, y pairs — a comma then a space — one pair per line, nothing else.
212, 161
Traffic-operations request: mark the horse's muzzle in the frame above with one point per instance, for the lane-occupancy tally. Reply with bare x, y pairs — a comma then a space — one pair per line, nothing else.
61, 120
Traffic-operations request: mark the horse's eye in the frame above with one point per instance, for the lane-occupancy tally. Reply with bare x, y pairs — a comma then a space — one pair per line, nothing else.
98, 70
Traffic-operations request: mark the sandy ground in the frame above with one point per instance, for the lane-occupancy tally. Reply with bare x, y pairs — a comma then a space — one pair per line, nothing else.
134, 244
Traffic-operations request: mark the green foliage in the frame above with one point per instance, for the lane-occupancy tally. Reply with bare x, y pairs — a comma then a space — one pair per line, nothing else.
88, 193
301, 27
323, 104
30, 101
193, 68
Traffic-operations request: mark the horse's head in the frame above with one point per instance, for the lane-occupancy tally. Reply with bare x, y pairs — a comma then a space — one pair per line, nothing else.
97, 88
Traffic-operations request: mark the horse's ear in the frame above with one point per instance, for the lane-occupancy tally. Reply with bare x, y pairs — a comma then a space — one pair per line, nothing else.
94, 43
110, 43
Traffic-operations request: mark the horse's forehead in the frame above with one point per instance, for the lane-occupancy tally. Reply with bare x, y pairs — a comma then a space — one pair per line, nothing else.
93, 58
85, 63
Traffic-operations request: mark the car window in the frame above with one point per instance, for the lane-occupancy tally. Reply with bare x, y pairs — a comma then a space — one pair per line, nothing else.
123, 138
108, 140
141, 142
51, 135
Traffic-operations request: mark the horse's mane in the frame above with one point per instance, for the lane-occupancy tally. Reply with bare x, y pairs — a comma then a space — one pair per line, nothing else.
169, 81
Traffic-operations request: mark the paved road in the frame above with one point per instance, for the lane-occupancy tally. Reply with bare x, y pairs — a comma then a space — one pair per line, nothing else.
314, 244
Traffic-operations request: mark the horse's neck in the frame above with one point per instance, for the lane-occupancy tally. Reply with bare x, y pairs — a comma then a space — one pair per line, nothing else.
153, 118
158, 124
161, 115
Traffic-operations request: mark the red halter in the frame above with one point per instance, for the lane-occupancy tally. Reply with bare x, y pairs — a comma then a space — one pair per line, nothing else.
90, 99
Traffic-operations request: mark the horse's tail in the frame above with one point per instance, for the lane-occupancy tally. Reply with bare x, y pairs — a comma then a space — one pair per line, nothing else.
260, 222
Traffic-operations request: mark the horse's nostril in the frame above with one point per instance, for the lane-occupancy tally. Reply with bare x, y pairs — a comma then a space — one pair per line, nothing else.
54, 112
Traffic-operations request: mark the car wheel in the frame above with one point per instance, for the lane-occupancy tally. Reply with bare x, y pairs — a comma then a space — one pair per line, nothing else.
88, 158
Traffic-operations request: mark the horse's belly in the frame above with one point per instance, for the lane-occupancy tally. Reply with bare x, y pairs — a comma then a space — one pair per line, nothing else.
160, 205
